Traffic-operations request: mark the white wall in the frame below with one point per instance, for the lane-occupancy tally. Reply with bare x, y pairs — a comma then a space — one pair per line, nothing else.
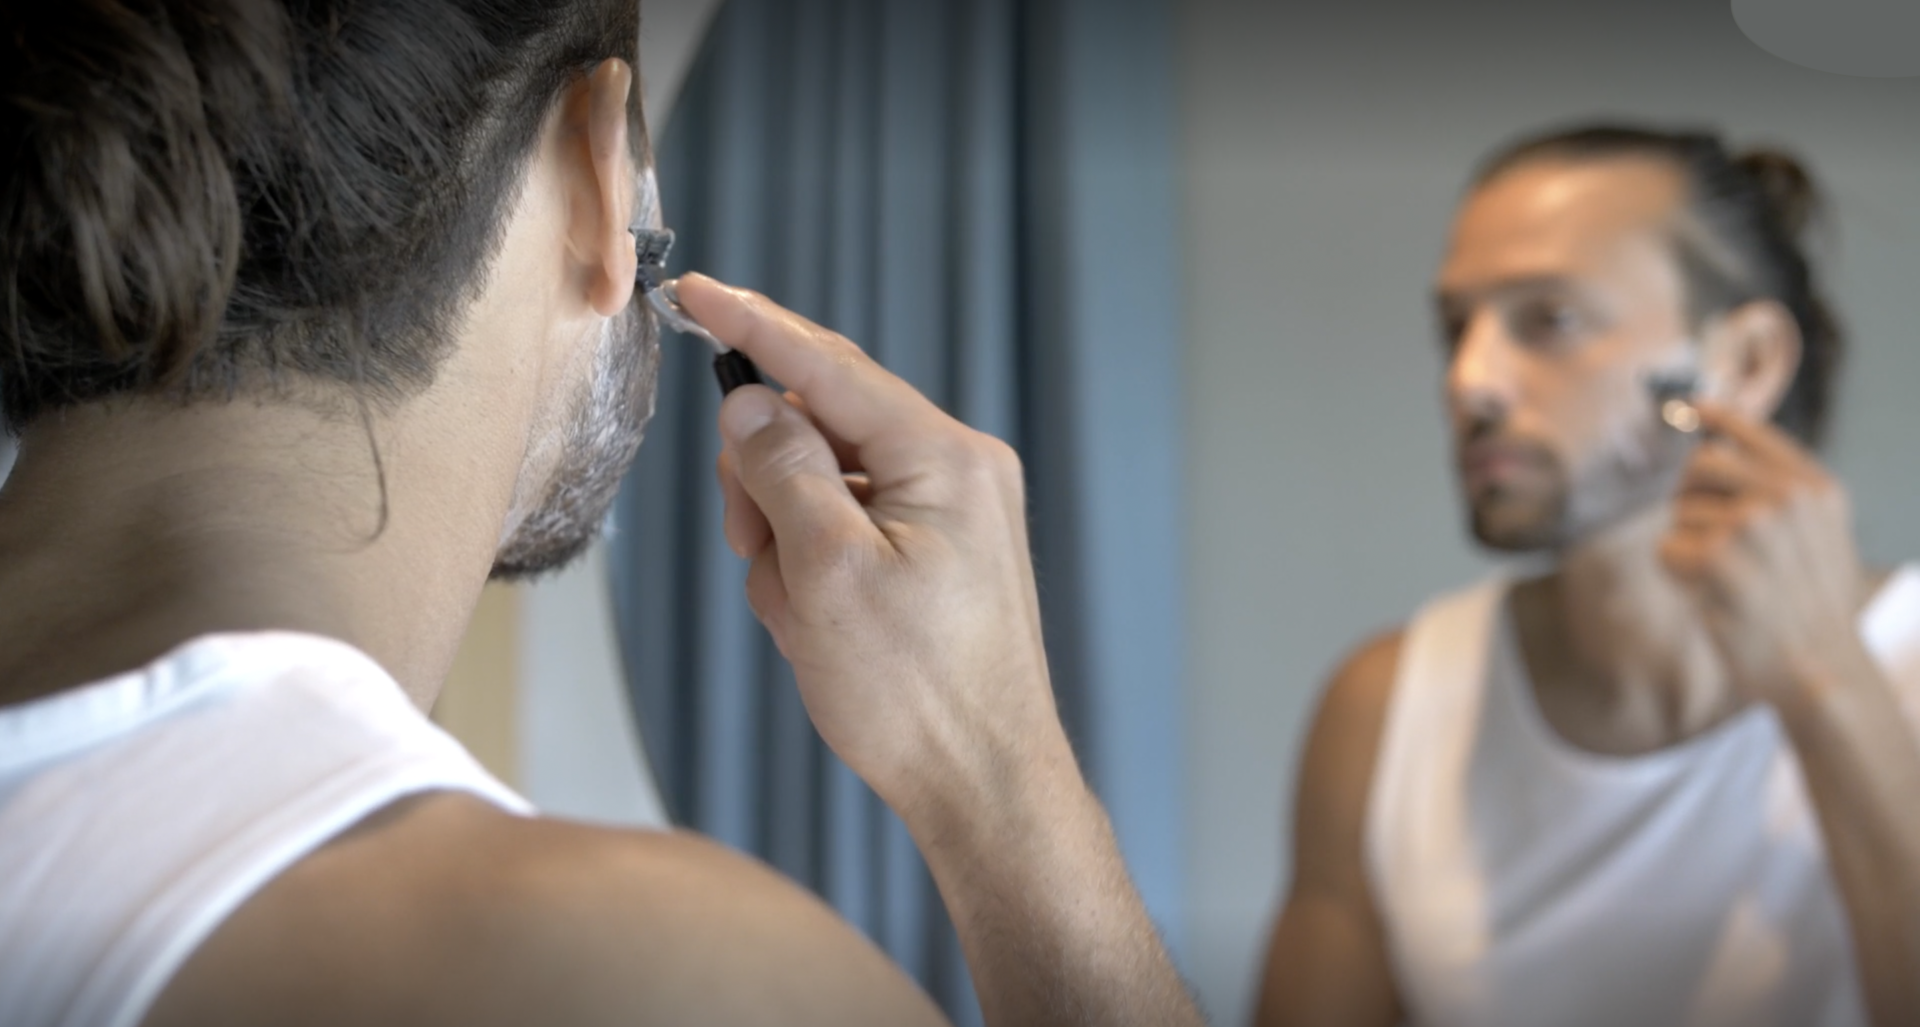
579, 751
1324, 147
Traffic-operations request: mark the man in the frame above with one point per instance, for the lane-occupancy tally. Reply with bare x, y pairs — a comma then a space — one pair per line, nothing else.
318, 314
1671, 777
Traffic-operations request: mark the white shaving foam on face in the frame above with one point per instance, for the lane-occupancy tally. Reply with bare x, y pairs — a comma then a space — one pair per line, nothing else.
1636, 440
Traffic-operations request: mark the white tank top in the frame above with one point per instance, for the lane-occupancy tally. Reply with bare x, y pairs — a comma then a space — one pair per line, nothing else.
1525, 883
137, 813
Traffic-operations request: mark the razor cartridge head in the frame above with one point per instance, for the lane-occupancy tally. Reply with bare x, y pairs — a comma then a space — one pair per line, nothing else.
654, 244
1673, 394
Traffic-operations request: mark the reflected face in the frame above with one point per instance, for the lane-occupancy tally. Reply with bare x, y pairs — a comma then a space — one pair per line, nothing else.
1559, 295
612, 404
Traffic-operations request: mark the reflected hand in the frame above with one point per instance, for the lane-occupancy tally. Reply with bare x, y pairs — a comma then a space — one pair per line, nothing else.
1763, 536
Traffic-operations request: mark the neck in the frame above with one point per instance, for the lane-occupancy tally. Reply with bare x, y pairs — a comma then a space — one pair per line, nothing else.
130, 528
1615, 646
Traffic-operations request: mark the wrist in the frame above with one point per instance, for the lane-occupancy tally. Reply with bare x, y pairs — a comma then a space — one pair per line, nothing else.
994, 798
1842, 679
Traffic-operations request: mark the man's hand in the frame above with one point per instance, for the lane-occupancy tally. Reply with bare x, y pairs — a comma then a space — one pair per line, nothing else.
1763, 535
890, 561
890, 557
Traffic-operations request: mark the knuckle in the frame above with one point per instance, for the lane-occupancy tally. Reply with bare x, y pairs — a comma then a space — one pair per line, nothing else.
986, 462
949, 456
971, 456
1004, 459
972, 478
848, 350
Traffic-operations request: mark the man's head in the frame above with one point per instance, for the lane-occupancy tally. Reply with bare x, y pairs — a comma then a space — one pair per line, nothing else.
1582, 263
319, 202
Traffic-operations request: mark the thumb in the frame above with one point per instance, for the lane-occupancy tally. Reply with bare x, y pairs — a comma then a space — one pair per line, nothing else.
789, 470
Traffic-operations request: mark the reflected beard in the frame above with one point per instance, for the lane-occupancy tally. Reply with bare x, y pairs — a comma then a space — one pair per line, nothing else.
608, 424
1524, 521
1566, 508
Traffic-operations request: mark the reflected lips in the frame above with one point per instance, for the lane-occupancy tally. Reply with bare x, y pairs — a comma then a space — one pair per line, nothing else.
1488, 464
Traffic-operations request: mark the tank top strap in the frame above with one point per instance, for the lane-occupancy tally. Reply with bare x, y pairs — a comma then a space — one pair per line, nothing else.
1416, 817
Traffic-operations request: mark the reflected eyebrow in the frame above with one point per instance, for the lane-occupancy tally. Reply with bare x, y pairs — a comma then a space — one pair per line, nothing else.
1447, 299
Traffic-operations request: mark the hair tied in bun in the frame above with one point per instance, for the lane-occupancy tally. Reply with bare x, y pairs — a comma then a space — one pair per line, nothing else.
1790, 194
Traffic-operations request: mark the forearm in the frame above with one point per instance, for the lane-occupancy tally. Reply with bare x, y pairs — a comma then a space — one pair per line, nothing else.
1861, 764
1053, 928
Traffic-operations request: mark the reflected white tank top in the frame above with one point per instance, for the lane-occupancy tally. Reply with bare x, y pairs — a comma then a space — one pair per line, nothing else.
138, 812
1525, 883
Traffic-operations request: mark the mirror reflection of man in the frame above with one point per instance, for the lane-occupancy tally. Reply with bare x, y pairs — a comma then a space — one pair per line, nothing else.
1674, 777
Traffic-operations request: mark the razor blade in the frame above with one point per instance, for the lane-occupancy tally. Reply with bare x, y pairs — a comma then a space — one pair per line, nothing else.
650, 277
1673, 394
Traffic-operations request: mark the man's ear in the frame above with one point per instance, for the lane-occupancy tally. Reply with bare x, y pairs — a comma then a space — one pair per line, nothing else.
1749, 356
603, 198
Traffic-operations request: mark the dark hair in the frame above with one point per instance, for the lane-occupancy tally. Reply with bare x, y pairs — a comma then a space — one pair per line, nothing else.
201, 194
1750, 214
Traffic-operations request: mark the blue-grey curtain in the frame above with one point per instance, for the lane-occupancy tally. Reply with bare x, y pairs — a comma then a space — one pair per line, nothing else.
981, 193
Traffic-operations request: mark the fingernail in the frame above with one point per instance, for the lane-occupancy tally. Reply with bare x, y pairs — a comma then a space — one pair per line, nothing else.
747, 411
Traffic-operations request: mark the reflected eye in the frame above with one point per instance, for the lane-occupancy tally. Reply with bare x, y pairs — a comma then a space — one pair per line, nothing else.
1544, 323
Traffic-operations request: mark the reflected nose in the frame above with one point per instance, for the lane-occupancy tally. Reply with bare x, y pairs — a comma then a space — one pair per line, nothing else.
1481, 374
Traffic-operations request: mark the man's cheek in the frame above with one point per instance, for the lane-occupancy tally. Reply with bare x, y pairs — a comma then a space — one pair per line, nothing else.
1598, 418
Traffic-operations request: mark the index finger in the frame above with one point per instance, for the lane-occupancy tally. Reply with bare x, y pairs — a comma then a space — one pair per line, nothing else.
845, 390
1762, 441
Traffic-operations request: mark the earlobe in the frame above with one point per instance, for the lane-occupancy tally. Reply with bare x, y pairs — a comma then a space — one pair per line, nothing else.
609, 90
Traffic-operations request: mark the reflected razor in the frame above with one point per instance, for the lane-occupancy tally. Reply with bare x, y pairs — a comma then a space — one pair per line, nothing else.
1673, 394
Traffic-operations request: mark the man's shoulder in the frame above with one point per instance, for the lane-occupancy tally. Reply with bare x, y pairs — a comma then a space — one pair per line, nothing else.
1346, 728
1358, 693
1362, 685
443, 909
1363, 681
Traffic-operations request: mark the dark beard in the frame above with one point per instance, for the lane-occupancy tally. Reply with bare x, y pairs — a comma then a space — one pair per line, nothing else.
601, 442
